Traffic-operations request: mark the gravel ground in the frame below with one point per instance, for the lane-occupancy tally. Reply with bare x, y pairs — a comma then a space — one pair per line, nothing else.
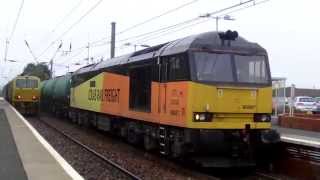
84, 162
144, 165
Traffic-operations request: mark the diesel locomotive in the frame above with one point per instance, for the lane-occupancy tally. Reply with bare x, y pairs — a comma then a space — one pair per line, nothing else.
23, 93
203, 96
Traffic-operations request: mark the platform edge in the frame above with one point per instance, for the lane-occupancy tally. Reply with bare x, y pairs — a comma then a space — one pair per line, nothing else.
63, 163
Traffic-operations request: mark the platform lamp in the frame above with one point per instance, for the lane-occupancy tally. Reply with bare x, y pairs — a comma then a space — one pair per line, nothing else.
217, 18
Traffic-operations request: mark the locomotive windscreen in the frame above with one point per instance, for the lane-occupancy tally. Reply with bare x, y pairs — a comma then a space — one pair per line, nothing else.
231, 68
26, 83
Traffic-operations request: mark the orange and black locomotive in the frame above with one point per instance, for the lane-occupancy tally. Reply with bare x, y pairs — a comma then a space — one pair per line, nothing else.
206, 95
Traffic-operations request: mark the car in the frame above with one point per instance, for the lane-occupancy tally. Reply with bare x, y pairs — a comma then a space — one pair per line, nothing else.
305, 103
317, 99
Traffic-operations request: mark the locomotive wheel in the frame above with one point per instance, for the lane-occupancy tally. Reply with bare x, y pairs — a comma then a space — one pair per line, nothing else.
149, 142
79, 119
132, 137
75, 117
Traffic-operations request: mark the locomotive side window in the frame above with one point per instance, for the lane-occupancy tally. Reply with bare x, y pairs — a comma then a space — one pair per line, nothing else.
175, 68
140, 88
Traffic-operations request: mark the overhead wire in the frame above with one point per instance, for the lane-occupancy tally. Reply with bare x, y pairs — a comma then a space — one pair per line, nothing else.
231, 7
185, 22
246, 7
92, 45
233, 11
173, 29
77, 54
67, 15
170, 32
144, 22
71, 27
158, 16
64, 18
12, 32
17, 19
161, 29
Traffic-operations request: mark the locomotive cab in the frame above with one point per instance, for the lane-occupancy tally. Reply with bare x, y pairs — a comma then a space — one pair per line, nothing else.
235, 90
221, 93
24, 94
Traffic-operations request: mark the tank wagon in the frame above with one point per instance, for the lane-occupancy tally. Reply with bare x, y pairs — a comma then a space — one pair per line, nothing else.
203, 96
56, 93
23, 93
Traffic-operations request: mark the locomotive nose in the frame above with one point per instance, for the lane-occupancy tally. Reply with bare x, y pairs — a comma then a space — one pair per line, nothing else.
236, 100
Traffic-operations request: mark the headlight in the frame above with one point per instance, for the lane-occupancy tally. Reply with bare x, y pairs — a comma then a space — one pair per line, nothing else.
262, 118
202, 117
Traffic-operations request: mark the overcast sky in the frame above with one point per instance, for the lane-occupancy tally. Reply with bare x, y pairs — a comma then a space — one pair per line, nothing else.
287, 29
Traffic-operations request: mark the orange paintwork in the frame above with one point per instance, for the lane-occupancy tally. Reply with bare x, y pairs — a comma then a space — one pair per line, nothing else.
173, 103
167, 108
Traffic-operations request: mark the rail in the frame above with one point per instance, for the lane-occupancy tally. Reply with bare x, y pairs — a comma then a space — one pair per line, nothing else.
117, 166
303, 152
264, 175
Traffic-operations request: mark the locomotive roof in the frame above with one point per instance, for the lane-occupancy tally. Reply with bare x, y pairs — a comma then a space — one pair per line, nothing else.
26, 77
207, 40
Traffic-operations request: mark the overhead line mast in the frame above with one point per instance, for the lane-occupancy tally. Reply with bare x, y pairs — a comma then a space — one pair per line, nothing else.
13, 30
51, 61
113, 39
31, 52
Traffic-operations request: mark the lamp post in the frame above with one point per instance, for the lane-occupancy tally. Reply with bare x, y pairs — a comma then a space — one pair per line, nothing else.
136, 45
217, 18
11, 60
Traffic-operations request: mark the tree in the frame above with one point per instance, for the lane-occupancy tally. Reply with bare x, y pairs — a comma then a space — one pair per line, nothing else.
40, 70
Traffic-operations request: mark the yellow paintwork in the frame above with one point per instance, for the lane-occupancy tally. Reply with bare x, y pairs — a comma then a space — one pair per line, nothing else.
79, 95
25, 93
233, 107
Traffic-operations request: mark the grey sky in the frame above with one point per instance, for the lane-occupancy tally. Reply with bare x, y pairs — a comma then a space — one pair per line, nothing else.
287, 29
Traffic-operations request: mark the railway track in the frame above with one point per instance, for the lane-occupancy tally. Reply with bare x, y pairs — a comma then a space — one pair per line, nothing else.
100, 156
141, 164
299, 161
303, 152
56, 124
263, 175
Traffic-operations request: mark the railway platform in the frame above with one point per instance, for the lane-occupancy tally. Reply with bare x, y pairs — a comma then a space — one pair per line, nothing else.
299, 156
26, 155
298, 136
